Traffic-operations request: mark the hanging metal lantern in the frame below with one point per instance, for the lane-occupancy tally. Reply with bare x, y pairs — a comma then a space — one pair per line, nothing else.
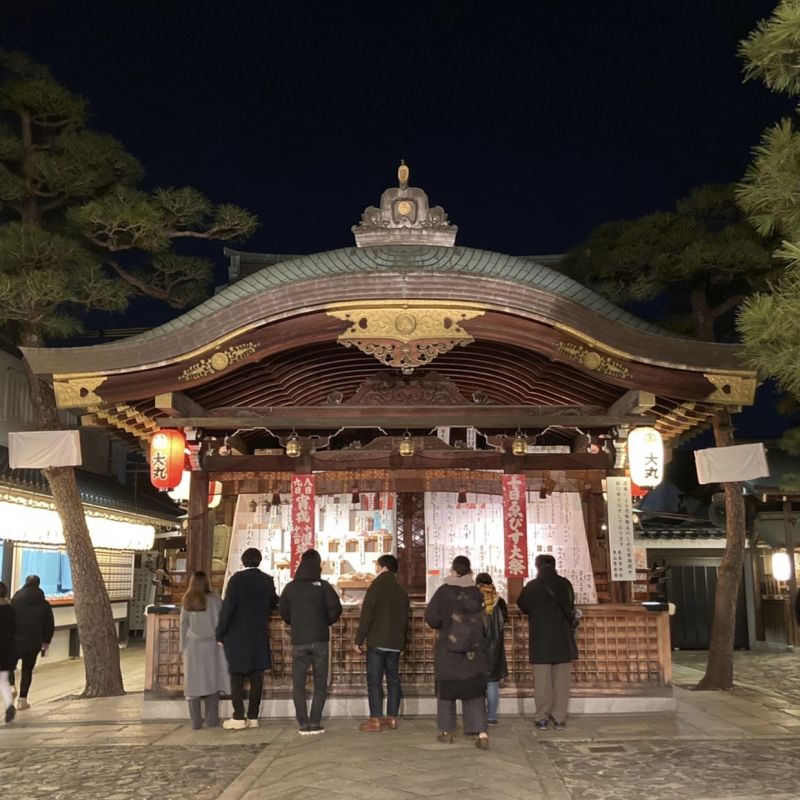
406, 445
646, 457
167, 458
293, 446
519, 445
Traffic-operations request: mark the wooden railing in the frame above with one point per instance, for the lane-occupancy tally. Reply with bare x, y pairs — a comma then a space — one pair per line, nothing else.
624, 649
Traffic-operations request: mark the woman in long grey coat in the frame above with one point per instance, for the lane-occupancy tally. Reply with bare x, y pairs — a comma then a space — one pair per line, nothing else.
205, 672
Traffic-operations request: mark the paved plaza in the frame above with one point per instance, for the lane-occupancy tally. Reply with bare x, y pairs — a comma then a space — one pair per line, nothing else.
741, 744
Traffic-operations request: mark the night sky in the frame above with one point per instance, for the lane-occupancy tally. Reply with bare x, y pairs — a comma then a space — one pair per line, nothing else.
530, 122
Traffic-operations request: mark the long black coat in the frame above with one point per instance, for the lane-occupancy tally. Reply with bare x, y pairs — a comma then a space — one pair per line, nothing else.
549, 631
8, 653
449, 666
244, 621
34, 620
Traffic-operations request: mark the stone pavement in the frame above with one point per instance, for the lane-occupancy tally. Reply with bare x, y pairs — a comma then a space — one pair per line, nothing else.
740, 744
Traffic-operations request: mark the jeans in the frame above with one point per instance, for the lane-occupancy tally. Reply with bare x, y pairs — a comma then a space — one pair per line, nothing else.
378, 663
492, 699
315, 656
256, 681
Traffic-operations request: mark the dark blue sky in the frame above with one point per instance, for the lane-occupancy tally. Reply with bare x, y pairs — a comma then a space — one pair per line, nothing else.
530, 122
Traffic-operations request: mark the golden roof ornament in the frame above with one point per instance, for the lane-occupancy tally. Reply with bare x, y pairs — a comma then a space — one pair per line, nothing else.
402, 174
404, 217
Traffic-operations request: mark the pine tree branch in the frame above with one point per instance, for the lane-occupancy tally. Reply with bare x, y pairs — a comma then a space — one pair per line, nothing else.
725, 306
135, 282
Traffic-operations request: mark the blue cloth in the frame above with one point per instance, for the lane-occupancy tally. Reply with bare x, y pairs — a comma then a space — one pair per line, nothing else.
380, 662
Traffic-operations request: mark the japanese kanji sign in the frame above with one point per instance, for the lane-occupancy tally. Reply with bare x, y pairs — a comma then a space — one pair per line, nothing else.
515, 526
303, 489
620, 529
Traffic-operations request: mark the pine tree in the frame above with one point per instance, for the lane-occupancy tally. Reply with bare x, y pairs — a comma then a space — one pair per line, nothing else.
77, 235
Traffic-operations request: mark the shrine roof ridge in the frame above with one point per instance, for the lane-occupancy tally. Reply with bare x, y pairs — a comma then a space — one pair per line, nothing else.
393, 258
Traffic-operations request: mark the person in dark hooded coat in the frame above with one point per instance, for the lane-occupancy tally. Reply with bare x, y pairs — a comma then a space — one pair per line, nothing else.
34, 631
8, 656
243, 630
310, 606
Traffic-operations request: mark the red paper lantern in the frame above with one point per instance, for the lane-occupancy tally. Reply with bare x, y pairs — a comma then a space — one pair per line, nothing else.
167, 458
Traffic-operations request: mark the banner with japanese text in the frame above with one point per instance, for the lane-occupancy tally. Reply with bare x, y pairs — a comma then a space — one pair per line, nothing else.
515, 526
303, 490
620, 529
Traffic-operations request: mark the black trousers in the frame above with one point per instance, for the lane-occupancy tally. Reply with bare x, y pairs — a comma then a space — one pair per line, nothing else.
28, 663
256, 681
315, 656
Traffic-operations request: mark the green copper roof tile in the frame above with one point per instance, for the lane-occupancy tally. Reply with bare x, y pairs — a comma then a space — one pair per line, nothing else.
399, 258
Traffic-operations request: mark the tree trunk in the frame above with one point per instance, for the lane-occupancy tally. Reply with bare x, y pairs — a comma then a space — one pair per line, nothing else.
92, 606
719, 669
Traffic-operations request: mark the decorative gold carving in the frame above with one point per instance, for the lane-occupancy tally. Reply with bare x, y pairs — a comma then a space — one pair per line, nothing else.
731, 390
77, 392
428, 388
405, 336
593, 360
218, 361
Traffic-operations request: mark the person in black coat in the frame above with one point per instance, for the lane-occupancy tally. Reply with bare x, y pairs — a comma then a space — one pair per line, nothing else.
310, 606
459, 657
8, 657
494, 621
549, 603
35, 625
243, 630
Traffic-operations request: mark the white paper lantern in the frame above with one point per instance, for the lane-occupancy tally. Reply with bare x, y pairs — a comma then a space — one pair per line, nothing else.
781, 566
646, 457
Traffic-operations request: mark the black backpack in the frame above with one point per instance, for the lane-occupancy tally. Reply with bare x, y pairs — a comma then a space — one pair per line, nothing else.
465, 632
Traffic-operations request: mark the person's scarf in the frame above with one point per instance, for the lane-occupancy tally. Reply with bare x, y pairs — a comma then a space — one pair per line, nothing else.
489, 596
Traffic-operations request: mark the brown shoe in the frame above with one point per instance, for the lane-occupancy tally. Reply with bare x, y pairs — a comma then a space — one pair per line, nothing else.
445, 738
389, 722
371, 725
482, 743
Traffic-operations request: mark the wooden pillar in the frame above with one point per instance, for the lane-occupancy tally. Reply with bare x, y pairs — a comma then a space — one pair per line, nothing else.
758, 588
198, 534
788, 525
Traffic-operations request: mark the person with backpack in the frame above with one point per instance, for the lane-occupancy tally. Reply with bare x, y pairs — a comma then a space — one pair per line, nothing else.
549, 603
459, 657
310, 606
494, 621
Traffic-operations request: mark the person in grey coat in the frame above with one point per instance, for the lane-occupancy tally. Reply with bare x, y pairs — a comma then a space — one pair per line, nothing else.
205, 671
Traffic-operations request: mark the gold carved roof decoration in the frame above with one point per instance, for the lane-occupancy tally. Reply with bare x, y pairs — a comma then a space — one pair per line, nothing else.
731, 390
219, 361
591, 359
405, 335
77, 392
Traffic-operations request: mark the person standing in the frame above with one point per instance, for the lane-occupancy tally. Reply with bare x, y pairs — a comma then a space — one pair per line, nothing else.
549, 603
310, 606
34, 623
459, 658
243, 630
7, 657
205, 671
383, 625
494, 621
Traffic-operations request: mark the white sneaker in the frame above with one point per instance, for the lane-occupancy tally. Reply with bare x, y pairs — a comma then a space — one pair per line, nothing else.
23, 704
234, 724
252, 723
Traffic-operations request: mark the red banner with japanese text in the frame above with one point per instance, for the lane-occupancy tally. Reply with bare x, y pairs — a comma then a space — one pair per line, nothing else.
515, 526
303, 514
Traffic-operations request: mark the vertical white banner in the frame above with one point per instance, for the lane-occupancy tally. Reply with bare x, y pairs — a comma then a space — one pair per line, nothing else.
620, 529
472, 438
443, 432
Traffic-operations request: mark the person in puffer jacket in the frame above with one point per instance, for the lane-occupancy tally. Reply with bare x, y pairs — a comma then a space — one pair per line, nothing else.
310, 606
